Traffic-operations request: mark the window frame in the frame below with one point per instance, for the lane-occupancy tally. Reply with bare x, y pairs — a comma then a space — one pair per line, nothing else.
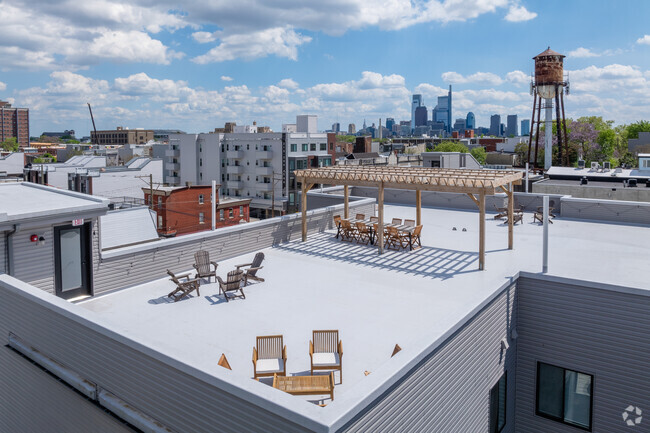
201, 199
494, 428
562, 419
294, 147
201, 218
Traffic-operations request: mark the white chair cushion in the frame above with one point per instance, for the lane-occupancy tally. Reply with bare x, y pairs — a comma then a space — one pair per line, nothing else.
326, 359
269, 365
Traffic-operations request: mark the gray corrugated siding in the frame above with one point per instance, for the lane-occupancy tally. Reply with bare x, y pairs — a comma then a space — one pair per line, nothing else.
3, 251
446, 200
530, 202
33, 263
606, 210
589, 330
178, 400
47, 405
136, 268
450, 390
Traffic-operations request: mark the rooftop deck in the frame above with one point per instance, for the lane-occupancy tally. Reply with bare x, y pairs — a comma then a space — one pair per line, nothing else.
408, 298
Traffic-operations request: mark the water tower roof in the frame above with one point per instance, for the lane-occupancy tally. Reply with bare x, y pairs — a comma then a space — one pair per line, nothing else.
549, 52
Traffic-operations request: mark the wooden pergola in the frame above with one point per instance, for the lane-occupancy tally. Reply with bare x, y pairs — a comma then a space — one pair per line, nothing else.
475, 183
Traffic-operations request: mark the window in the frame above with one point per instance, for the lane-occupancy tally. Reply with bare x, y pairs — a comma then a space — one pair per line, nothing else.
564, 395
323, 146
498, 399
292, 164
160, 221
331, 146
200, 162
241, 211
312, 147
294, 147
201, 218
304, 147
220, 214
230, 213
200, 198
159, 201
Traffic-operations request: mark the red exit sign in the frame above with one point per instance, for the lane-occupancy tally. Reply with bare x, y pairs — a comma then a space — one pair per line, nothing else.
77, 222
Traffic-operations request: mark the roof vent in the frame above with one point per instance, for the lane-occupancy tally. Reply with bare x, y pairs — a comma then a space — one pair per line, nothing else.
584, 180
631, 183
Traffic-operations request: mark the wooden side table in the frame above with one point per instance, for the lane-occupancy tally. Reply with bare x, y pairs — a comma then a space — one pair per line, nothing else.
305, 385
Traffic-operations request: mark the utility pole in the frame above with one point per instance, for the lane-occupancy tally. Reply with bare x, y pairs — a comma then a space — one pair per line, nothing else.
273, 181
150, 176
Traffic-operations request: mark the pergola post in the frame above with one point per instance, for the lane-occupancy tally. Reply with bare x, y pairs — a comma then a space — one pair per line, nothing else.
346, 202
418, 207
380, 226
481, 231
303, 206
511, 215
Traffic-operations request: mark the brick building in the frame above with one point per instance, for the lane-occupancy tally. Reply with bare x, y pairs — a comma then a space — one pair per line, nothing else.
14, 122
123, 136
187, 209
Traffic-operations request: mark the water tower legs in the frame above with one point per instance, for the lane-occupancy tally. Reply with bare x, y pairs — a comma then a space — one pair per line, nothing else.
548, 148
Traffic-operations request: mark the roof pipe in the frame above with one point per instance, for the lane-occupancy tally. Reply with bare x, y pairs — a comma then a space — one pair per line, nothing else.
9, 246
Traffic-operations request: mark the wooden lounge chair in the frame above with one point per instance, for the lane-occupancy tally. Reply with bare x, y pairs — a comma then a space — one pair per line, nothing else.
269, 356
502, 212
202, 264
360, 216
337, 224
184, 286
409, 223
364, 233
233, 284
397, 221
252, 268
326, 351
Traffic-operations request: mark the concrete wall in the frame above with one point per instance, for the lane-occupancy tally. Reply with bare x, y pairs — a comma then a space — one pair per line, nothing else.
449, 390
614, 192
530, 202
431, 198
589, 328
606, 210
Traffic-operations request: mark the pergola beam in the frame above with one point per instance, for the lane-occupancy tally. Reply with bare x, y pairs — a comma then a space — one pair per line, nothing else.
418, 207
346, 201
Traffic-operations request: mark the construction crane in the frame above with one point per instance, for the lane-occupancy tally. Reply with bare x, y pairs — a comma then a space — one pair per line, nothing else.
95, 141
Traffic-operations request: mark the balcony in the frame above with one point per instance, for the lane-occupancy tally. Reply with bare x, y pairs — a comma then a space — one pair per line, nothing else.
264, 154
234, 154
173, 180
172, 166
264, 171
172, 153
235, 184
266, 187
234, 169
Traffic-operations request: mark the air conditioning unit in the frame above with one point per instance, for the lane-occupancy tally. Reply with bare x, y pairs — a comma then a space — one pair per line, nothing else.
581, 163
607, 165
594, 165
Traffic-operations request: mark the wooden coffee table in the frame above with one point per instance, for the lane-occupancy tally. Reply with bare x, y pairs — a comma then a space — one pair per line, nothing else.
305, 385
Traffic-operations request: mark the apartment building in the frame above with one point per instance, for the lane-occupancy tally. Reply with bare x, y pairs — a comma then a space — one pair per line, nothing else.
14, 122
121, 135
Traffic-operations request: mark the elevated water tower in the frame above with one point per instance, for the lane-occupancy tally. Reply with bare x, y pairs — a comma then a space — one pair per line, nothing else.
549, 84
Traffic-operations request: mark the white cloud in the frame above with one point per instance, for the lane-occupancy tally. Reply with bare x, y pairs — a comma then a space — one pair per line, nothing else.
486, 78
204, 37
582, 53
3, 86
645, 40
226, 78
288, 83
141, 84
517, 78
132, 46
279, 41
518, 13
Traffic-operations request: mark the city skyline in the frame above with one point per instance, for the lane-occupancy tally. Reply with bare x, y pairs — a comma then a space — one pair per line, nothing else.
196, 68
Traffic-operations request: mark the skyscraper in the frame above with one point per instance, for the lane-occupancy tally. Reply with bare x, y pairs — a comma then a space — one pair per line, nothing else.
470, 121
14, 122
389, 123
449, 112
421, 116
336, 127
416, 102
352, 129
513, 128
495, 125
525, 127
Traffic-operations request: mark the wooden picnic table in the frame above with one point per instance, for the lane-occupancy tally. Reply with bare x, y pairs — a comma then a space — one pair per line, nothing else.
370, 224
305, 385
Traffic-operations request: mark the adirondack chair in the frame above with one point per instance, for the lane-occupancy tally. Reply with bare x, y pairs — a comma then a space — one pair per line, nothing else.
269, 356
232, 284
183, 287
326, 351
252, 268
202, 264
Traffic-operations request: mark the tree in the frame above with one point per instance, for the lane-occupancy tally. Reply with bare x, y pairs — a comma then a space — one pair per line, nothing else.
10, 144
633, 129
479, 154
451, 146
598, 122
583, 139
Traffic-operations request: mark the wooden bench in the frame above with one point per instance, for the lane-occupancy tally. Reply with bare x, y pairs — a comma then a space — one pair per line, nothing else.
305, 385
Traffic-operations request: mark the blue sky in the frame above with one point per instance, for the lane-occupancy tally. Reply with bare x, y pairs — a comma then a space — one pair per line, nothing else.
198, 64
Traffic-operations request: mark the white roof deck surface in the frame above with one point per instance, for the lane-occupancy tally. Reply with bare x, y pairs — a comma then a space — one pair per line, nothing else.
409, 298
